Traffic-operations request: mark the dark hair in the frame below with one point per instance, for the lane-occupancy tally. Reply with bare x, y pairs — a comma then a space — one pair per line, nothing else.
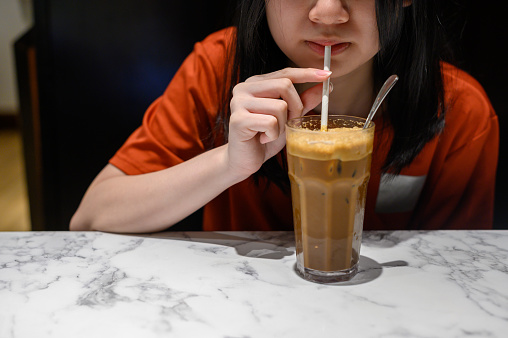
411, 46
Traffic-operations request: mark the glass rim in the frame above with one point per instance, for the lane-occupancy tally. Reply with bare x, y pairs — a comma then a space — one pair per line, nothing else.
318, 117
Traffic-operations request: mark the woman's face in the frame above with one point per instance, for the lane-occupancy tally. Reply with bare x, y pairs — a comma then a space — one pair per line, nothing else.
301, 29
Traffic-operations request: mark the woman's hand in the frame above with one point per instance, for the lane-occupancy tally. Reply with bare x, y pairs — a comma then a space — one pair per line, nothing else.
260, 108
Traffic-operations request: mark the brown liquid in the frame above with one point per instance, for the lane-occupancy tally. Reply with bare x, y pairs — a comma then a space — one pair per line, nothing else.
329, 180
328, 207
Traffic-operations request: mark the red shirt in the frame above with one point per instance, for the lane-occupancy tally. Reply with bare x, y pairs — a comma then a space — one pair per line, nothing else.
450, 185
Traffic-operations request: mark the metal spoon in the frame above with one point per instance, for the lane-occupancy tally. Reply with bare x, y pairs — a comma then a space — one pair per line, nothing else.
387, 86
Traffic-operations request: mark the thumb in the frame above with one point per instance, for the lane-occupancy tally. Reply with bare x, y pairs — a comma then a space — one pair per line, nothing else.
312, 97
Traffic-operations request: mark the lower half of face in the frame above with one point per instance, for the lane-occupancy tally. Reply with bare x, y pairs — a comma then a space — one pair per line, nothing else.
302, 37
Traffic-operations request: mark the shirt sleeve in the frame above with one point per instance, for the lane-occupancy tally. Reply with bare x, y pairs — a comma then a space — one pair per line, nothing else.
459, 193
179, 124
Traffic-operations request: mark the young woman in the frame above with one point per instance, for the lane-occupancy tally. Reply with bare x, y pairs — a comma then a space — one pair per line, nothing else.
216, 137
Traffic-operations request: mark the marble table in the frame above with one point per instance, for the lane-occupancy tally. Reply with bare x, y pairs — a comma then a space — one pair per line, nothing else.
243, 284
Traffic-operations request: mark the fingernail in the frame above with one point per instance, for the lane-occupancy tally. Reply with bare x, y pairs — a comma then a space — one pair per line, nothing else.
323, 72
331, 86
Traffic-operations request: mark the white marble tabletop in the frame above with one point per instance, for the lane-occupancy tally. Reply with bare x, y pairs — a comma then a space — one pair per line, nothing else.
243, 284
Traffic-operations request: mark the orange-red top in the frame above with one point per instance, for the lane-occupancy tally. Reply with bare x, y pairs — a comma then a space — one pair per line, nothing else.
450, 185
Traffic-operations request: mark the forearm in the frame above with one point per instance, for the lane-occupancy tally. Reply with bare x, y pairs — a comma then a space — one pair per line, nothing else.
153, 202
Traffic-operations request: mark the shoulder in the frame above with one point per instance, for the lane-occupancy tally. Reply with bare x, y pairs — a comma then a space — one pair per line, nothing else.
204, 68
464, 92
216, 45
209, 57
469, 112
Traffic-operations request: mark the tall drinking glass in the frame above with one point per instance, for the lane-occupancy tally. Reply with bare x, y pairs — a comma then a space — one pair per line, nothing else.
329, 172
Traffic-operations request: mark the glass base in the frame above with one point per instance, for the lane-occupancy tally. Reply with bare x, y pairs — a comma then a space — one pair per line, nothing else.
326, 277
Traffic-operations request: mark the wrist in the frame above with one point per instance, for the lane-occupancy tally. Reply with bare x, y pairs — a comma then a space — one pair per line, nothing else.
234, 173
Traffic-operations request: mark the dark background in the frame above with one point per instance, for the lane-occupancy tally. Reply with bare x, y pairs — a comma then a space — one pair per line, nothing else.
99, 64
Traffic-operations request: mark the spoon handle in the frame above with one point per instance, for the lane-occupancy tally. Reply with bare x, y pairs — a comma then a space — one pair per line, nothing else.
387, 86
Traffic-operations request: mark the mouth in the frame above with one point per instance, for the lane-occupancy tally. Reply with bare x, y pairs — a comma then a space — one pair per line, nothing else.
319, 46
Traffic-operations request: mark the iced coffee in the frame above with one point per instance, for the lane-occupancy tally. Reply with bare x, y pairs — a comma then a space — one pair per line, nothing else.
329, 172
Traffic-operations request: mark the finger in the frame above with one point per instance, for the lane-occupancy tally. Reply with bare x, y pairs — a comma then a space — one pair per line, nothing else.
269, 129
252, 95
247, 125
268, 89
275, 107
296, 75
296, 106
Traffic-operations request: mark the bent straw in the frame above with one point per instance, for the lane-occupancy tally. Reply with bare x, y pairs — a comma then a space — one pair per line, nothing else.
326, 90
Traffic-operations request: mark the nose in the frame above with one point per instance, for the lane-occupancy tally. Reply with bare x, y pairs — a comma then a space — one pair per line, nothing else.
329, 12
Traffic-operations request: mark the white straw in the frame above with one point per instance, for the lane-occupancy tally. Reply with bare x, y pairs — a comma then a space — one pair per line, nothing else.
326, 90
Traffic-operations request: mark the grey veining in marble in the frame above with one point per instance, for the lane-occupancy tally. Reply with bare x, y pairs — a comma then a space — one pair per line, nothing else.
243, 284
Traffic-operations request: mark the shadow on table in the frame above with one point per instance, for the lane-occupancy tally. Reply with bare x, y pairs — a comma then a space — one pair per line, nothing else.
368, 270
266, 245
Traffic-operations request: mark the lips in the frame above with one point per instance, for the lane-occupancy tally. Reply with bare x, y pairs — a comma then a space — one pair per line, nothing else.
319, 46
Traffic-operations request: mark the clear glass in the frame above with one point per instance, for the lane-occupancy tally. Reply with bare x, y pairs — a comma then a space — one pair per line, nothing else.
329, 172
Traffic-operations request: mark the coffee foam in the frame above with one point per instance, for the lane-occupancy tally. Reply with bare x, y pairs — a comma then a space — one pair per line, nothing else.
346, 144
